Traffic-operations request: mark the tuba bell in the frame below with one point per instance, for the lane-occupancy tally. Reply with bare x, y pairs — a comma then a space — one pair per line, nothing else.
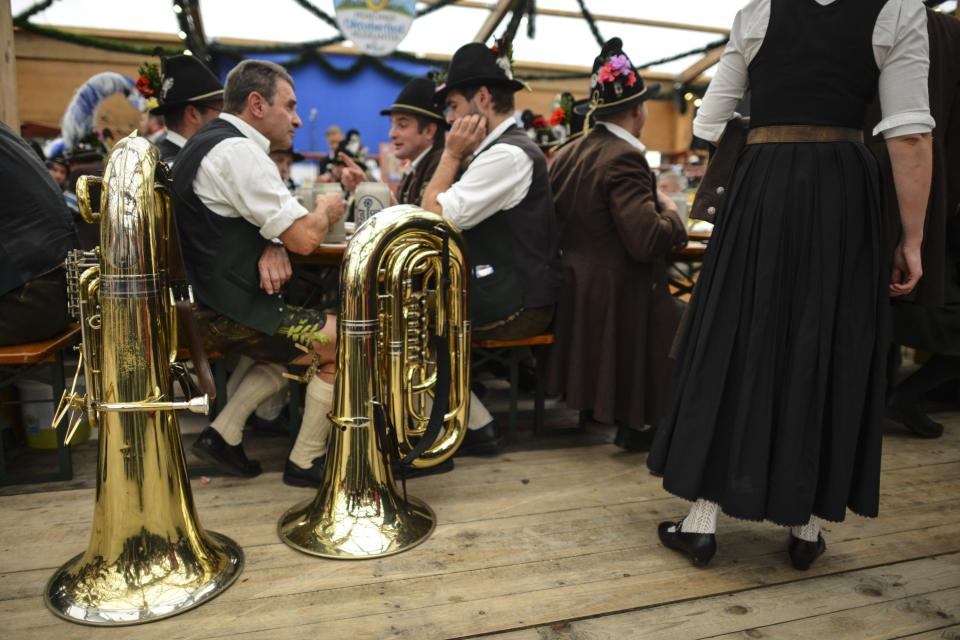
402, 388
148, 556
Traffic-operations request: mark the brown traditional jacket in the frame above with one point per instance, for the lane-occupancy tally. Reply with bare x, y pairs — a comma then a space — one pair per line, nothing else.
413, 184
616, 318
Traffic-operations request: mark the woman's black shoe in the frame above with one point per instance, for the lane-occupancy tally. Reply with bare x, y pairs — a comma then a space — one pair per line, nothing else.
699, 547
294, 476
803, 552
230, 459
633, 439
916, 420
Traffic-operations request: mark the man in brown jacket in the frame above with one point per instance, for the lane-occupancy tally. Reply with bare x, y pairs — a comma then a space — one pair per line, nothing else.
416, 131
615, 319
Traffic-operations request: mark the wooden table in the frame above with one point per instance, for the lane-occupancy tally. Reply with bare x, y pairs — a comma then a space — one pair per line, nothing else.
332, 254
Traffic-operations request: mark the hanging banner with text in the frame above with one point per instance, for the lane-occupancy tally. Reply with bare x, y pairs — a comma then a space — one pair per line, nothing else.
376, 27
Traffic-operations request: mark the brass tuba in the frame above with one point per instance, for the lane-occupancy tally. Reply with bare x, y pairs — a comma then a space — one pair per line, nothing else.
402, 389
148, 556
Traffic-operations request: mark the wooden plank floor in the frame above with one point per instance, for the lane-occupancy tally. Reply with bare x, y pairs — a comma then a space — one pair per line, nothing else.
542, 543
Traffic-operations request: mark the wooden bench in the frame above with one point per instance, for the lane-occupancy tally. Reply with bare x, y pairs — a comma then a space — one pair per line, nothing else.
508, 352
23, 358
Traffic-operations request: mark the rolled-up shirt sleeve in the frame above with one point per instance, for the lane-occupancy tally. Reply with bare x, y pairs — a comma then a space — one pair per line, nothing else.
238, 179
902, 48
497, 179
728, 84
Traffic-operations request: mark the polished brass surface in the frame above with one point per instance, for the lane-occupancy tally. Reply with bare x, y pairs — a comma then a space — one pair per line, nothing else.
391, 302
148, 556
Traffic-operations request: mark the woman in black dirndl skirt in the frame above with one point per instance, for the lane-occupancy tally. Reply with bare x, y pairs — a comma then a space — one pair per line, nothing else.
777, 398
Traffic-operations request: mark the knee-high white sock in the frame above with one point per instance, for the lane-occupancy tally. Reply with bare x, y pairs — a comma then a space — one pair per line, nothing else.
244, 364
809, 532
702, 518
479, 416
261, 381
270, 408
315, 428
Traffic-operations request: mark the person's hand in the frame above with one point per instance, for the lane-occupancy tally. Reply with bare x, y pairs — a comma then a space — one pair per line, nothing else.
332, 205
465, 136
907, 269
352, 175
665, 201
274, 267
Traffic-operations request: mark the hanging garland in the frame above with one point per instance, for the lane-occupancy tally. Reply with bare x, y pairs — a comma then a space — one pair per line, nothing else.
591, 22
106, 44
24, 15
323, 15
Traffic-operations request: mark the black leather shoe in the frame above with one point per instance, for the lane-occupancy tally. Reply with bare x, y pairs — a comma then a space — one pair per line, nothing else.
633, 439
230, 459
803, 552
914, 419
275, 428
699, 547
412, 472
295, 476
483, 441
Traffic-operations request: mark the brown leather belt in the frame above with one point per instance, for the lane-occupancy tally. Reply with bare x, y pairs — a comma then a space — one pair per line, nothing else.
802, 133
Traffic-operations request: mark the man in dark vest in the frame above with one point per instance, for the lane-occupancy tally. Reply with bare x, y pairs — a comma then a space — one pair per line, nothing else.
416, 131
616, 318
230, 203
36, 232
492, 184
190, 96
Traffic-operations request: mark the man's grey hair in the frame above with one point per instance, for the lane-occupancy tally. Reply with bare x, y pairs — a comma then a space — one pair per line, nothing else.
249, 76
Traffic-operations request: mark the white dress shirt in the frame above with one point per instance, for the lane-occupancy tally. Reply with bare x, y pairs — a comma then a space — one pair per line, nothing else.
413, 164
623, 134
497, 179
900, 48
237, 179
175, 138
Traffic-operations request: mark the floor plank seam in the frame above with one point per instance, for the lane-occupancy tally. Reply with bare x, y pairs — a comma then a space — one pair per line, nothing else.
721, 594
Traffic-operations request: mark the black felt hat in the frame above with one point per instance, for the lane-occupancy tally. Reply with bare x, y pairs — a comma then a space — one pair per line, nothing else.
615, 83
474, 65
185, 80
416, 98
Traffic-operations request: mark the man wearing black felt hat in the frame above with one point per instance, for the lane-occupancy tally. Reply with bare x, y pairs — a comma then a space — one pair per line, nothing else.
618, 233
190, 96
492, 184
417, 126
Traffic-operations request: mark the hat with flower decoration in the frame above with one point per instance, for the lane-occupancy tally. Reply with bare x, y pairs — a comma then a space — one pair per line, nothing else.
615, 83
184, 80
476, 65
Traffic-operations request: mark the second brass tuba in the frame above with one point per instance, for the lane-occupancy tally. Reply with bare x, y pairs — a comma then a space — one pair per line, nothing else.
402, 389
148, 556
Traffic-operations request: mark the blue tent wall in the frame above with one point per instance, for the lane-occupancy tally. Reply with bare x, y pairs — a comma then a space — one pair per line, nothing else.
353, 102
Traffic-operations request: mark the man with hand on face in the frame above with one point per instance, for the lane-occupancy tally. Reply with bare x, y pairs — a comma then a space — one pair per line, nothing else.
190, 96
492, 184
230, 204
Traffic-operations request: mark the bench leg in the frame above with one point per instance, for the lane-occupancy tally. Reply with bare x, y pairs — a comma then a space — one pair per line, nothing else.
63, 451
514, 393
538, 398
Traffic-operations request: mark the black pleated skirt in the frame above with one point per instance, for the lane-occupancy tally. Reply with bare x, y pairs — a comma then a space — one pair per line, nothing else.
775, 408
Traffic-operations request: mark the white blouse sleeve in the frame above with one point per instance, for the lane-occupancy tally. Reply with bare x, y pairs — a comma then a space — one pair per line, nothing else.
731, 79
902, 52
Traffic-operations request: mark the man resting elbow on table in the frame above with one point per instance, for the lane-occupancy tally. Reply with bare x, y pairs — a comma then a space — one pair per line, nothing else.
231, 207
